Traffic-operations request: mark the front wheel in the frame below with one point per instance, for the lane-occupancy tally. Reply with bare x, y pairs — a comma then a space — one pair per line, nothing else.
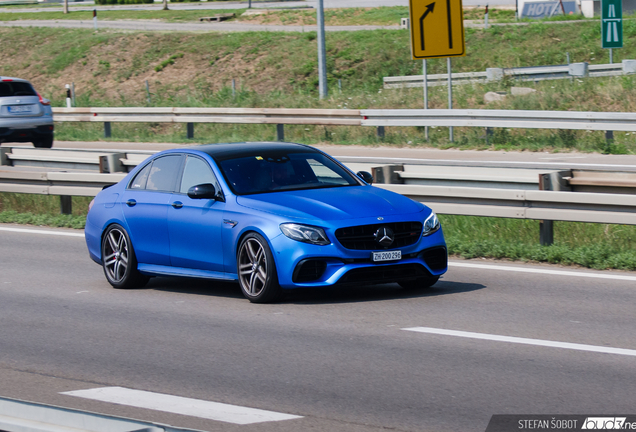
257, 271
420, 283
119, 261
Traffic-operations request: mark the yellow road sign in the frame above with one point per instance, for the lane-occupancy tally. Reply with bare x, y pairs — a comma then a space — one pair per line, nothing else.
437, 28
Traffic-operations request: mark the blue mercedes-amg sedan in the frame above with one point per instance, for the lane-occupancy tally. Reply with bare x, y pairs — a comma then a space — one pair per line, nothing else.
273, 216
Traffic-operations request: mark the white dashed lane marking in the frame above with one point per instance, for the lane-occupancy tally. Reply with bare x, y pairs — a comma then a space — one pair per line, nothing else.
181, 405
525, 341
546, 271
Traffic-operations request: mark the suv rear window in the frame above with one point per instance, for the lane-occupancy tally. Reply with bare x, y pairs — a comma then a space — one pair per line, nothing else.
16, 88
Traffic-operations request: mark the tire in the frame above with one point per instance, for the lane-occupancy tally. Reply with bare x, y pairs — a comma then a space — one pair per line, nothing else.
46, 142
420, 283
256, 270
119, 261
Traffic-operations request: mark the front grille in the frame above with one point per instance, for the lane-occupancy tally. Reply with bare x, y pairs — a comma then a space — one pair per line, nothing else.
309, 270
362, 237
436, 258
384, 274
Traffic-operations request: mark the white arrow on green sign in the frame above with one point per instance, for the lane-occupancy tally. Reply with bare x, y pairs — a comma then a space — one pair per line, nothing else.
612, 23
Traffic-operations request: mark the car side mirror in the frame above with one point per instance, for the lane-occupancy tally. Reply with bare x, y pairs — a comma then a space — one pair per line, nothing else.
203, 191
366, 176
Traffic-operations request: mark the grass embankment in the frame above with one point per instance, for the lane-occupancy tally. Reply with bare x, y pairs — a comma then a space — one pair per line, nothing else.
273, 69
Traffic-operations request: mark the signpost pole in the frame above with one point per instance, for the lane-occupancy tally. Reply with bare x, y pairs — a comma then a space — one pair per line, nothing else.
611, 56
425, 73
450, 93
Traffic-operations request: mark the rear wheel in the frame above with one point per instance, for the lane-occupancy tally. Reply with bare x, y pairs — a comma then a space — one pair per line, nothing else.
257, 271
420, 283
119, 261
46, 142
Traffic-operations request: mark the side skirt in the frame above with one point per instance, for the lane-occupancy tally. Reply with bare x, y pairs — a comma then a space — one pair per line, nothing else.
159, 270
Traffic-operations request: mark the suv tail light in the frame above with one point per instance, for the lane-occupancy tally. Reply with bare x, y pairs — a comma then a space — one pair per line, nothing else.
44, 101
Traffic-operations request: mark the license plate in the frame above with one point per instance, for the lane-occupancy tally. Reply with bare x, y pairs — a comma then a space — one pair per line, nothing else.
20, 109
387, 256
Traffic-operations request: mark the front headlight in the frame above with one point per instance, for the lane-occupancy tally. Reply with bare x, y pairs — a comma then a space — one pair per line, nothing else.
305, 233
431, 224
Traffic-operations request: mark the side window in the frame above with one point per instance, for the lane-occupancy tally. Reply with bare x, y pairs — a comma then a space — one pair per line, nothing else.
325, 174
139, 182
196, 171
163, 173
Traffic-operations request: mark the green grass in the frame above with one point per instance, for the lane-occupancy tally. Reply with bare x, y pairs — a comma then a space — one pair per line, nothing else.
60, 221
597, 246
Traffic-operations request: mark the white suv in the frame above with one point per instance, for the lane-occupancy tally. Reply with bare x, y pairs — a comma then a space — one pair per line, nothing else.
24, 115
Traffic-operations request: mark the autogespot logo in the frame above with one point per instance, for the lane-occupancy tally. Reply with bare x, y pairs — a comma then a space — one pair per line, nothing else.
606, 423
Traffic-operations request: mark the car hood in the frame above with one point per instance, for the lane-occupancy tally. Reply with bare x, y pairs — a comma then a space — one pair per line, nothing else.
349, 202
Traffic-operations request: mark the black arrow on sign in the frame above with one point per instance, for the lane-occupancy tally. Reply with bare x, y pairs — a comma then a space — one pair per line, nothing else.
429, 8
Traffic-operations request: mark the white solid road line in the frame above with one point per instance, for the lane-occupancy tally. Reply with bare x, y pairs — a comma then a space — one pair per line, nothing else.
45, 232
181, 405
525, 341
542, 271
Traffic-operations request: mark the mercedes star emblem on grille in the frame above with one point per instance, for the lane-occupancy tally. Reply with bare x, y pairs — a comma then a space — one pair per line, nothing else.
384, 236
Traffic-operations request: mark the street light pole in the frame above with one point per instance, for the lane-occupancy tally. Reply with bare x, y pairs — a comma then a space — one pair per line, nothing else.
322, 53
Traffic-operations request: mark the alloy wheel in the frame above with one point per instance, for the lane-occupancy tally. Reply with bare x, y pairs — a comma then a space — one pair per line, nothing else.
116, 255
253, 267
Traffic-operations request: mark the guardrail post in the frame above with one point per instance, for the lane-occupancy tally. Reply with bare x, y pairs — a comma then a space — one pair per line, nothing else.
494, 74
578, 69
111, 163
388, 174
190, 128
4, 160
551, 182
280, 132
106, 129
609, 139
66, 204
379, 133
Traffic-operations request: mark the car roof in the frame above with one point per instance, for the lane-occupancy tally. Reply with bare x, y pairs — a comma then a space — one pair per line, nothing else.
6, 78
224, 151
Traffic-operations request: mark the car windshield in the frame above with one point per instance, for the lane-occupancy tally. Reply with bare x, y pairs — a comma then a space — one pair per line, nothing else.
16, 88
267, 172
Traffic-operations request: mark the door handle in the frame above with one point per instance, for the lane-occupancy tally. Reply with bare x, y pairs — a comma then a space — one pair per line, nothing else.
131, 203
177, 204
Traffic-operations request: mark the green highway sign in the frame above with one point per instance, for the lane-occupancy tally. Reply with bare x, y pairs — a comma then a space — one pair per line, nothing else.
612, 23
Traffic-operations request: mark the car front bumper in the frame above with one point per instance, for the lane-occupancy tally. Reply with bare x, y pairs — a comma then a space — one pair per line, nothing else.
303, 265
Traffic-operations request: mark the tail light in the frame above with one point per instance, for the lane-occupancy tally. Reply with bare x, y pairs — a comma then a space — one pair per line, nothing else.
90, 206
44, 101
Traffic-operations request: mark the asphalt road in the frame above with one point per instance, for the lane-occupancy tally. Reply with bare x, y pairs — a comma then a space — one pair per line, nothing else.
339, 359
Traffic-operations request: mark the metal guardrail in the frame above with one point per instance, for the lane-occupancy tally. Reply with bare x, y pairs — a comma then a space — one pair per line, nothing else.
190, 116
533, 73
339, 117
509, 192
472, 201
523, 204
380, 118
578, 120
